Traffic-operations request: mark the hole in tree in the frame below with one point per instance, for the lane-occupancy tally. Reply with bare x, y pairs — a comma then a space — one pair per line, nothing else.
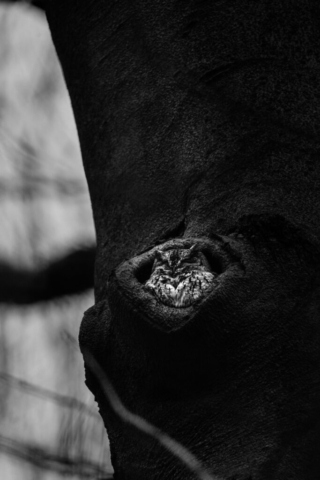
143, 272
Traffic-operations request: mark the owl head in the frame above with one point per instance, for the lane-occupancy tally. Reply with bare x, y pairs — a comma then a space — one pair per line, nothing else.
175, 258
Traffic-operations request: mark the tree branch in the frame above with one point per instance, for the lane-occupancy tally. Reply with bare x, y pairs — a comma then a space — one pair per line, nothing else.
175, 448
40, 392
67, 275
52, 461
34, 3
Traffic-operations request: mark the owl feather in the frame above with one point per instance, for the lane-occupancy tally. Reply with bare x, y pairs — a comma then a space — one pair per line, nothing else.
180, 276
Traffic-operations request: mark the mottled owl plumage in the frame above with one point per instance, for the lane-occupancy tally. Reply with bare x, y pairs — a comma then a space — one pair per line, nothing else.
180, 276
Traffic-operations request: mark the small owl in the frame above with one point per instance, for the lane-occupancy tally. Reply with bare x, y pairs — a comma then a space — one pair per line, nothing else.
180, 276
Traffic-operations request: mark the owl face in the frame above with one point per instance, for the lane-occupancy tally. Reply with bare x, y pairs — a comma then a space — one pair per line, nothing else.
180, 276
179, 260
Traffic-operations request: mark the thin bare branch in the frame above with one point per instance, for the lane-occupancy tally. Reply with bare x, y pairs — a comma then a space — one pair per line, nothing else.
44, 459
174, 447
62, 400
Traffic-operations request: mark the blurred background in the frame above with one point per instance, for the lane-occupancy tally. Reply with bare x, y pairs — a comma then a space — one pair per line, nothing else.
49, 423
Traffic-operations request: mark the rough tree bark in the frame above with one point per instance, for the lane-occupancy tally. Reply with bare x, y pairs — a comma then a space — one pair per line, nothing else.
199, 126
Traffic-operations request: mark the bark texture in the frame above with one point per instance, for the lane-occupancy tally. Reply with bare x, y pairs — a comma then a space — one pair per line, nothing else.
199, 123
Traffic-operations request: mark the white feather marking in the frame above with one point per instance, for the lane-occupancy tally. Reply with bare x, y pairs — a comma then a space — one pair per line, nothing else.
180, 277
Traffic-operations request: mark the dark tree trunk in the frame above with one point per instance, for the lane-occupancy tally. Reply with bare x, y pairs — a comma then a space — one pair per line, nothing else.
199, 126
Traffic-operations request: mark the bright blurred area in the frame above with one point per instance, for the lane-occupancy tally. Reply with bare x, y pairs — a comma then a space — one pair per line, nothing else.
49, 423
